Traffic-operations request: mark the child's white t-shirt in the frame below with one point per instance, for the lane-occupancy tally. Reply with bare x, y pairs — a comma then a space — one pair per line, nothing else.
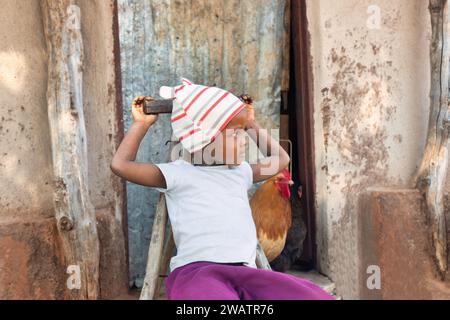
210, 213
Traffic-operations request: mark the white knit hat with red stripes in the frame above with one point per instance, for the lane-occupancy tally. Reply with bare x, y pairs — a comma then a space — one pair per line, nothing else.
199, 112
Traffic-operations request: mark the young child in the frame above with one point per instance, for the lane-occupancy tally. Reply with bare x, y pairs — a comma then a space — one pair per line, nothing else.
206, 195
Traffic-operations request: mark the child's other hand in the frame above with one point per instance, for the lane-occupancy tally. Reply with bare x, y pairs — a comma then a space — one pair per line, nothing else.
137, 111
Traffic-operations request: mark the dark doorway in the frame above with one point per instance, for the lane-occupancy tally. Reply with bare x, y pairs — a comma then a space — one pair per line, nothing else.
301, 130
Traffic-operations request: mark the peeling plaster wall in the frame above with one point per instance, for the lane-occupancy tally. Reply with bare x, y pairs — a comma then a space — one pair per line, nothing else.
236, 45
25, 189
31, 260
371, 90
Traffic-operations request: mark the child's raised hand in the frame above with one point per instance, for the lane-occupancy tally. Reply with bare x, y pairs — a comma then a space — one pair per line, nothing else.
137, 111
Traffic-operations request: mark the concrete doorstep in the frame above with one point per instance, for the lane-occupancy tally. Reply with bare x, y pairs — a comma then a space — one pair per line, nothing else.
319, 279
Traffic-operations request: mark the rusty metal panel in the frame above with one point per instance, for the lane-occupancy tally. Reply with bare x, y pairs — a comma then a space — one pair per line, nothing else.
236, 45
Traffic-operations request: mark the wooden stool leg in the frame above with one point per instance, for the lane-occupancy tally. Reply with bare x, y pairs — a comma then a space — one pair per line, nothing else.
261, 259
169, 249
155, 250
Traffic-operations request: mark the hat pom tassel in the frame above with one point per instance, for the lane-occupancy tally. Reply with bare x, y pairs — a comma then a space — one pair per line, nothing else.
167, 92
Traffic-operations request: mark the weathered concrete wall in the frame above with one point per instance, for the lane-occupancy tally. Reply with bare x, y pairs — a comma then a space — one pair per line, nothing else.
31, 262
25, 158
371, 90
236, 45
393, 235
27, 230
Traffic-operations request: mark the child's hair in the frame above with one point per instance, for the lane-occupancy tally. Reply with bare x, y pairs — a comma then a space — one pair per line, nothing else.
246, 98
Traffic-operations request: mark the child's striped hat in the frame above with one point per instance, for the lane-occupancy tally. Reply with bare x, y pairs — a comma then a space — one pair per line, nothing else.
199, 112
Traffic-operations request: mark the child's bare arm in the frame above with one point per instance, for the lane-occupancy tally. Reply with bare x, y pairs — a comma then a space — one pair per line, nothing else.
276, 158
123, 164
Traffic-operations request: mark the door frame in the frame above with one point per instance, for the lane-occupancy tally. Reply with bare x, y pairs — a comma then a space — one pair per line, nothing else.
303, 103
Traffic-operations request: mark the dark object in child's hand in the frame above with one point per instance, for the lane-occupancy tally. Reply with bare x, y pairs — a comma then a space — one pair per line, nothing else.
166, 105
158, 106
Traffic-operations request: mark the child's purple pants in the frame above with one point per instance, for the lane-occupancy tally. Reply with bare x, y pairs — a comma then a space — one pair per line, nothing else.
226, 281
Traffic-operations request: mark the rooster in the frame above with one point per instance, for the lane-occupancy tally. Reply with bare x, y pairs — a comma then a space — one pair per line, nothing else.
293, 248
271, 211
